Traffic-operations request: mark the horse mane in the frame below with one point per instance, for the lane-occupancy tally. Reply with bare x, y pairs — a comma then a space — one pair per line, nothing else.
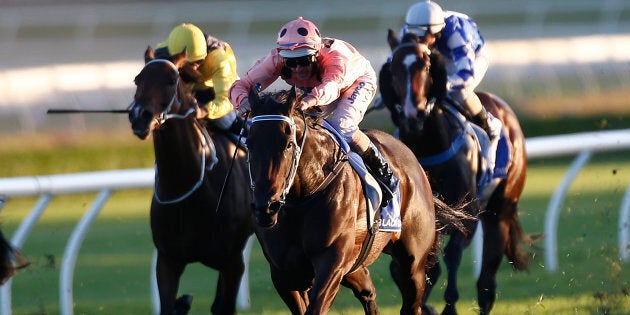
283, 102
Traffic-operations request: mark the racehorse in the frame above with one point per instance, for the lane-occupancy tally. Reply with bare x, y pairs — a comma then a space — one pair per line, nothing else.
189, 221
11, 260
448, 151
310, 210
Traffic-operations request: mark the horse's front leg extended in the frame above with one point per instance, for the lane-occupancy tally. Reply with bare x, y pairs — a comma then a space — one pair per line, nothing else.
168, 274
452, 260
228, 285
493, 250
329, 271
361, 284
296, 301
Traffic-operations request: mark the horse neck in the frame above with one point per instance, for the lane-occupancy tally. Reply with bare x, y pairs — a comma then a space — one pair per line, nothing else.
438, 131
178, 147
319, 155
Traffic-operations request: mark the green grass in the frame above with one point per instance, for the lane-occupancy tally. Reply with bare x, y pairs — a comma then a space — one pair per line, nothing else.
112, 272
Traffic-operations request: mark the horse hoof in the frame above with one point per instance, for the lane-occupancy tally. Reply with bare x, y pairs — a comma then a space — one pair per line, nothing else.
183, 304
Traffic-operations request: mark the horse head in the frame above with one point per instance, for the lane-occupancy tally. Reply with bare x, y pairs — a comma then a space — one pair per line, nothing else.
274, 152
412, 82
159, 95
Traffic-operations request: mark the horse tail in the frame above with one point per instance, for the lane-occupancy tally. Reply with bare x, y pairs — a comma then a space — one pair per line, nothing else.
451, 217
516, 243
11, 260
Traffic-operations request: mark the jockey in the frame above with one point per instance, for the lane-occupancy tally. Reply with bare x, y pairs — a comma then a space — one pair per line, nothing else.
457, 38
208, 72
331, 72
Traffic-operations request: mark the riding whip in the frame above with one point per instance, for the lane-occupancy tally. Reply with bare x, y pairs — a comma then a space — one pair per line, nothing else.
82, 111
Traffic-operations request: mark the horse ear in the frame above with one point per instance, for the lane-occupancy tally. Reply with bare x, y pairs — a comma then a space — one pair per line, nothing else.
253, 97
149, 54
180, 58
392, 39
293, 93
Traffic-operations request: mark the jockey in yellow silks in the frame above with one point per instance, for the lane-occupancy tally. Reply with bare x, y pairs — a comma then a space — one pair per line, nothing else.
209, 71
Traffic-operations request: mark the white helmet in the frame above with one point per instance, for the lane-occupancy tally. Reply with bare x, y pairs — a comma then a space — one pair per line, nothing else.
424, 16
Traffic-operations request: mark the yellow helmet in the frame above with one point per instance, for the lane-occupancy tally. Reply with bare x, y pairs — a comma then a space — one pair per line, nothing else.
187, 36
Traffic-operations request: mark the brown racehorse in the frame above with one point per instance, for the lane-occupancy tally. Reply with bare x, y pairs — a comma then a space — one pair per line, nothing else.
311, 211
413, 86
187, 223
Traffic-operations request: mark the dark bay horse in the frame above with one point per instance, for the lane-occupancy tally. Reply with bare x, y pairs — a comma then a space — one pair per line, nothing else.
191, 165
415, 80
311, 211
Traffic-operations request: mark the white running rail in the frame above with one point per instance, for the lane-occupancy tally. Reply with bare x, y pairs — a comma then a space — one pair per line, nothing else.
106, 182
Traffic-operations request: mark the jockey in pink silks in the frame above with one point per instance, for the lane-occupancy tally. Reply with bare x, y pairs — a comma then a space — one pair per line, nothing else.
331, 72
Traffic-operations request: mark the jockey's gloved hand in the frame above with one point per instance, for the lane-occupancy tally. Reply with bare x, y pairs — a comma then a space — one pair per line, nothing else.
244, 107
204, 96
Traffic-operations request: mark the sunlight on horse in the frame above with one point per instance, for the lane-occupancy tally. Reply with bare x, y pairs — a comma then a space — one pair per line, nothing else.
312, 212
413, 87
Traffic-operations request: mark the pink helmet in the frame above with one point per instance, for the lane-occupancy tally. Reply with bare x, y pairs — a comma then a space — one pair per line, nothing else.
298, 38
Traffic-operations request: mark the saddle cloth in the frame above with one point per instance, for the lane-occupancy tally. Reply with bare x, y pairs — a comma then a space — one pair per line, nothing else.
487, 179
389, 216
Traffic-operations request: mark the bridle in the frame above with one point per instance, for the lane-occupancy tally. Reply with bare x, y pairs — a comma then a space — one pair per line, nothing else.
408, 60
164, 114
206, 143
295, 156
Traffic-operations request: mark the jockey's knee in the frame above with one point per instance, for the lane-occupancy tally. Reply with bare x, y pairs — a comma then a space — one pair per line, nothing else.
359, 141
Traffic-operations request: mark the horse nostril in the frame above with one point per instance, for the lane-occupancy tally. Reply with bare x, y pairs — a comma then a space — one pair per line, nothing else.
147, 116
276, 206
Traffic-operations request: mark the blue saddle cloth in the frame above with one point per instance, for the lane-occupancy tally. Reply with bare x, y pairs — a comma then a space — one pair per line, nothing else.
485, 175
389, 216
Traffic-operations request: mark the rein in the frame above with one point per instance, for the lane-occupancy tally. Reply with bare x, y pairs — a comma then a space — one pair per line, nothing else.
206, 143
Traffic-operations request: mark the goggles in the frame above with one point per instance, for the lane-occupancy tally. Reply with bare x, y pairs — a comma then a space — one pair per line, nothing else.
422, 30
300, 61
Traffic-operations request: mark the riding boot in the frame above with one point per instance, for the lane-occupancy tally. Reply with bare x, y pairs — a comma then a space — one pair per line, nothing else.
492, 126
379, 168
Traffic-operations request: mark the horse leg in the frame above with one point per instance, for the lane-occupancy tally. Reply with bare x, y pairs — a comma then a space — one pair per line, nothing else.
227, 286
168, 273
433, 274
494, 240
328, 276
296, 301
452, 260
363, 288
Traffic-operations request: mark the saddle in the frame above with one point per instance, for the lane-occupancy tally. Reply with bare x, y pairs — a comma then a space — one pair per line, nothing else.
389, 216
487, 179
